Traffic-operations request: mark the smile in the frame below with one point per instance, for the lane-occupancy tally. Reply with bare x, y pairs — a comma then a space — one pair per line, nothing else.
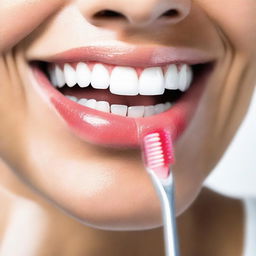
113, 101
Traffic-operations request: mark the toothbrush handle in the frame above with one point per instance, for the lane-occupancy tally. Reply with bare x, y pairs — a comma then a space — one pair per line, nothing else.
165, 191
169, 220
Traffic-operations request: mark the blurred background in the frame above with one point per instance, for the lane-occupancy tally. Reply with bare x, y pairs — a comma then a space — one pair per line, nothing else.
235, 175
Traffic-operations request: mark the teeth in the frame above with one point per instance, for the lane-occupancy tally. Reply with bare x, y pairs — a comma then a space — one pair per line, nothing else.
83, 75
151, 81
73, 98
120, 110
59, 77
168, 105
91, 103
53, 77
124, 81
100, 77
103, 106
149, 111
70, 75
159, 108
172, 78
185, 77
136, 111
82, 102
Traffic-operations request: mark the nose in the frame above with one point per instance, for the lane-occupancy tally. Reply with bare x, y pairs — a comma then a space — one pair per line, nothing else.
137, 12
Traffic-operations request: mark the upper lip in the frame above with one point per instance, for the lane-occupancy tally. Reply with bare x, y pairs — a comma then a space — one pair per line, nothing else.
136, 56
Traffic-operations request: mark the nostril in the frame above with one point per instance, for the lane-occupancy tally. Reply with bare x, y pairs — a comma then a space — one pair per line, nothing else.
170, 13
108, 14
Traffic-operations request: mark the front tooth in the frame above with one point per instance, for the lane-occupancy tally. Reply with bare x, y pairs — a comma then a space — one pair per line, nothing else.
59, 76
103, 106
185, 77
70, 75
159, 108
120, 110
172, 78
136, 111
151, 81
82, 102
83, 74
149, 111
91, 103
100, 78
124, 81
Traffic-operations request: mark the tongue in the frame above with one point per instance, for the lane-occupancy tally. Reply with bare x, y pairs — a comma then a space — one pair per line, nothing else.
106, 95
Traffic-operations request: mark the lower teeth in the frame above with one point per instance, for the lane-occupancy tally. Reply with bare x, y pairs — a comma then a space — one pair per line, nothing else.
123, 110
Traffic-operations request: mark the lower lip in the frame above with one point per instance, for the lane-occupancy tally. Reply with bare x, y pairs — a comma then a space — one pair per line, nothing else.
106, 129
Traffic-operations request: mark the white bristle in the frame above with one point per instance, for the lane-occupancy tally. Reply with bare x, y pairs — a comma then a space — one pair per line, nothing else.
154, 150
160, 160
153, 145
153, 139
153, 153
156, 156
152, 135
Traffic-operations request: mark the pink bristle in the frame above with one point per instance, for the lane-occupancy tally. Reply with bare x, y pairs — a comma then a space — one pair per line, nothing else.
158, 152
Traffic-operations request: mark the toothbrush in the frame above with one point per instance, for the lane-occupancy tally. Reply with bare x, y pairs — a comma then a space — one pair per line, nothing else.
159, 156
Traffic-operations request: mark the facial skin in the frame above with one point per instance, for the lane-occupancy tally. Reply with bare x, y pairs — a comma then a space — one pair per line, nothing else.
104, 187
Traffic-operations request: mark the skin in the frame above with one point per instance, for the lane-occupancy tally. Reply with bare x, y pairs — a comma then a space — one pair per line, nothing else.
55, 168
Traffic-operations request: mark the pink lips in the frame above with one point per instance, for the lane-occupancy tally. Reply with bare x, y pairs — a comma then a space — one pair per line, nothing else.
112, 130
143, 56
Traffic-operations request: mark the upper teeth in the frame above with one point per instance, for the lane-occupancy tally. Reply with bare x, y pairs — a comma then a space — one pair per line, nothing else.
124, 80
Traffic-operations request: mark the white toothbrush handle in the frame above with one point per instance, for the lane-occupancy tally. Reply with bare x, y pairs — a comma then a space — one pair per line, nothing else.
165, 191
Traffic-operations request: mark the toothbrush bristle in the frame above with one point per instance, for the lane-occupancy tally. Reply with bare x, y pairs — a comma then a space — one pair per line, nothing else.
158, 152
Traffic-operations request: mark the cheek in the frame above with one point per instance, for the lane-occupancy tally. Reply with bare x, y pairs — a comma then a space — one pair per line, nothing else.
17, 23
236, 20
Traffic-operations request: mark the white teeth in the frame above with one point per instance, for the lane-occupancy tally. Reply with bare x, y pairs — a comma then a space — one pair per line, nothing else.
124, 81
149, 111
168, 105
172, 78
59, 77
136, 111
91, 103
100, 77
159, 108
120, 110
103, 106
83, 75
53, 77
185, 77
70, 75
82, 101
73, 98
151, 81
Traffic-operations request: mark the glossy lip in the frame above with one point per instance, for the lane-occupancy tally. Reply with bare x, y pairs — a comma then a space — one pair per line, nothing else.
106, 129
146, 56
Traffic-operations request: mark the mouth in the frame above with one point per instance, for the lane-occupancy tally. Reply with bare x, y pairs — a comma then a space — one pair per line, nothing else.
113, 101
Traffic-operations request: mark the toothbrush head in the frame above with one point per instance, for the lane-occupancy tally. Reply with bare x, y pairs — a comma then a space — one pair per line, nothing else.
158, 152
